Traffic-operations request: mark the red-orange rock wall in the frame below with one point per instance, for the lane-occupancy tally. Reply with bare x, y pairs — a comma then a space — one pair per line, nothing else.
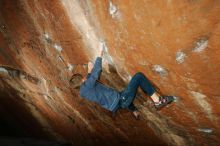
175, 43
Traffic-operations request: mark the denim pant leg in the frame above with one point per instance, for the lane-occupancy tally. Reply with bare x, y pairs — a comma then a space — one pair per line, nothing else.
128, 95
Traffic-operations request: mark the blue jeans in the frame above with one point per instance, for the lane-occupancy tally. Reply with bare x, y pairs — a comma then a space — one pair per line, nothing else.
127, 96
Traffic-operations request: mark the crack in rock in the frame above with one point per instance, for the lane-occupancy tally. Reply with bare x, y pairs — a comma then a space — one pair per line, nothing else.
16, 73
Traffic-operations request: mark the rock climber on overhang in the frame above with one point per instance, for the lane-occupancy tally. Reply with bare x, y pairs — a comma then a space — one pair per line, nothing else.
112, 99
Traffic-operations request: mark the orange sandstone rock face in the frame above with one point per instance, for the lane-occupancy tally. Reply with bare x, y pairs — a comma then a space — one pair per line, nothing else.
42, 43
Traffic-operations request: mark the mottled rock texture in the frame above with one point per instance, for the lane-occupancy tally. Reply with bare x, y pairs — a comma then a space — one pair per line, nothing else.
175, 43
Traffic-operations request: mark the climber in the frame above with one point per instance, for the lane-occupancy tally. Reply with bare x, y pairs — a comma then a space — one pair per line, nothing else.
111, 99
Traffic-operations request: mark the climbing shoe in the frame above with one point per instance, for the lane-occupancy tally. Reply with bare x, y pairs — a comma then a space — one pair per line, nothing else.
164, 100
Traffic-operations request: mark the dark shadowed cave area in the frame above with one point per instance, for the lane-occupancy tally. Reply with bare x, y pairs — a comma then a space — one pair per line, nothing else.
44, 42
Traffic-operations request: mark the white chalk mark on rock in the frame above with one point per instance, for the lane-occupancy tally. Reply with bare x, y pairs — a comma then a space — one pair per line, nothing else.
46, 36
70, 67
114, 12
22, 76
205, 130
45, 87
104, 46
58, 47
112, 9
3, 70
79, 19
200, 45
201, 101
180, 57
160, 70
106, 55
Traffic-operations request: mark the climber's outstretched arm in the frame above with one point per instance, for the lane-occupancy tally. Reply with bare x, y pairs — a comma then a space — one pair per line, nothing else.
94, 71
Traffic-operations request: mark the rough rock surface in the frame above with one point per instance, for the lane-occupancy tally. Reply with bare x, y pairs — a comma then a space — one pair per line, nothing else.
175, 43
8, 141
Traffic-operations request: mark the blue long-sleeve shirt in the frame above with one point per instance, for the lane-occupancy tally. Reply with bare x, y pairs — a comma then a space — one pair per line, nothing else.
97, 92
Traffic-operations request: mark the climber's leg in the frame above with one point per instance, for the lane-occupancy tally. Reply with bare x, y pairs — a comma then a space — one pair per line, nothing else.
138, 80
128, 95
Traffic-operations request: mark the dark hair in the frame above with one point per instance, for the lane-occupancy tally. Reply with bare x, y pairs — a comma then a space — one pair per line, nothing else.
76, 80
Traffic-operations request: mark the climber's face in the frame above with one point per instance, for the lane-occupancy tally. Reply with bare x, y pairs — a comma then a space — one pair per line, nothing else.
90, 67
